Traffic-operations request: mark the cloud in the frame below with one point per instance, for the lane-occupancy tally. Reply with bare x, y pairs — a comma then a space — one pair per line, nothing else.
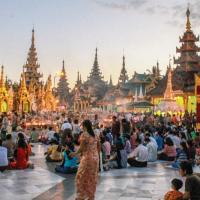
174, 12
122, 5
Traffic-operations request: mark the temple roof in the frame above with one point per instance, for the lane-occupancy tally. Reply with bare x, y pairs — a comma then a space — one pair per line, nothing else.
32, 65
189, 59
123, 78
139, 78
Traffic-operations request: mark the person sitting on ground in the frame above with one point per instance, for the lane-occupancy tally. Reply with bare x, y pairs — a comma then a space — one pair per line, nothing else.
69, 164
169, 152
175, 194
152, 150
21, 155
119, 159
192, 183
54, 152
50, 134
127, 144
34, 136
10, 145
14, 134
3, 157
139, 157
159, 140
43, 135
182, 155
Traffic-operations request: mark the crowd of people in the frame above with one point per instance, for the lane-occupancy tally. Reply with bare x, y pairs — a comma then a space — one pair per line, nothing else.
133, 140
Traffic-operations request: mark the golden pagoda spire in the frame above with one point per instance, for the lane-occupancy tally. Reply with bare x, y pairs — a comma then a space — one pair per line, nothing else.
188, 24
33, 37
23, 81
169, 91
2, 76
49, 84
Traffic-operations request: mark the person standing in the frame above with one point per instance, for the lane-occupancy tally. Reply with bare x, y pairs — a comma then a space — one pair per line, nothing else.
115, 128
87, 175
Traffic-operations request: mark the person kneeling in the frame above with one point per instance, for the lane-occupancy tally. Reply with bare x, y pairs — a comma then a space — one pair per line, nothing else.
54, 152
69, 164
139, 157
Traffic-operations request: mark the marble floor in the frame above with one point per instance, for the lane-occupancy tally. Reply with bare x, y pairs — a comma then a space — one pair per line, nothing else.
42, 183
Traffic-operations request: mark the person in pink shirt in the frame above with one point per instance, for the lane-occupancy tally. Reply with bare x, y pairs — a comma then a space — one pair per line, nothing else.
169, 152
107, 147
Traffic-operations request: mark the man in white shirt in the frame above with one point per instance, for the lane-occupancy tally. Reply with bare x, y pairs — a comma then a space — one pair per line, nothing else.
50, 134
66, 125
152, 150
139, 157
3, 157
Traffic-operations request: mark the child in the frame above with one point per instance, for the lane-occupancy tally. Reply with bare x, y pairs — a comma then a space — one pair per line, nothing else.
174, 194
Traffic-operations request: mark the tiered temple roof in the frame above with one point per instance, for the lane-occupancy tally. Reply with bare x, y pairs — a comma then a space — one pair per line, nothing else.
95, 73
123, 78
31, 66
189, 59
187, 65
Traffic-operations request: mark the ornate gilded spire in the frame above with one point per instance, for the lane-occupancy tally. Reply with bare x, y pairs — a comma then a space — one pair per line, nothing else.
95, 73
111, 82
169, 91
188, 24
23, 81
49, 84
33, 38
63, 66
123, 78
2, 76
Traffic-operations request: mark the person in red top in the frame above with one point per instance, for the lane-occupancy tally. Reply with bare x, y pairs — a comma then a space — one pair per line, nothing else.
175, 194
22, 154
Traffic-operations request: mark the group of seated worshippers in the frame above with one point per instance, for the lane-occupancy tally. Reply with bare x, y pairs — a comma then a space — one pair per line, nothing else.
60, 152
15, 155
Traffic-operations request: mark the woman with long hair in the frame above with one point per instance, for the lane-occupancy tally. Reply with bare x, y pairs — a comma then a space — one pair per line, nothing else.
87, 175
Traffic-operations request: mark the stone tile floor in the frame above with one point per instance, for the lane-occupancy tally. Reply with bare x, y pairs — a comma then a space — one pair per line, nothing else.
42, 183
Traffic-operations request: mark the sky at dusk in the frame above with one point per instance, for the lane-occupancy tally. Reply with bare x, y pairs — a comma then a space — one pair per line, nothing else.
145, 30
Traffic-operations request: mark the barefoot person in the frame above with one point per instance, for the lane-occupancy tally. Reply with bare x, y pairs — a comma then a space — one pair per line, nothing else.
87, 175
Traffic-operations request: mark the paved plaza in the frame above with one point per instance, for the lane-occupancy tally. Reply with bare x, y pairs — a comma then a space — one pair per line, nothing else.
125, 184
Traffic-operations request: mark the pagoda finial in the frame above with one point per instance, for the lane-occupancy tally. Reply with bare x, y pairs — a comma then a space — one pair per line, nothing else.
111, 82
33, 37
2, 75
188, 24
169, 91
80, 79
96, 56
63, 64
123, 64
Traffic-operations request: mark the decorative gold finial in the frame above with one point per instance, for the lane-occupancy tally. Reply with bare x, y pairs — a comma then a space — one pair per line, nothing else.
2, 76
33, 36
188, 24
